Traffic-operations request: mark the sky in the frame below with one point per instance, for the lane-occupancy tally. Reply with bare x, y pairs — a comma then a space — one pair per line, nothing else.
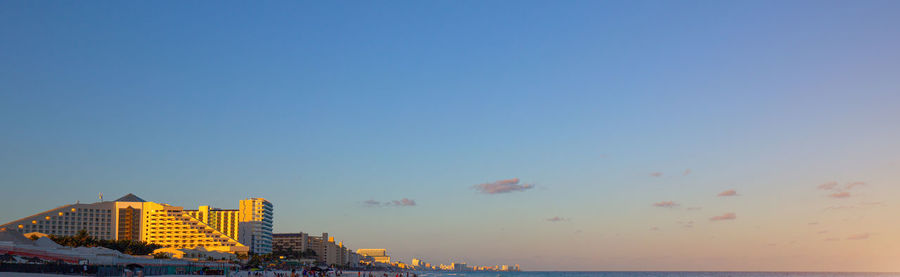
558, 135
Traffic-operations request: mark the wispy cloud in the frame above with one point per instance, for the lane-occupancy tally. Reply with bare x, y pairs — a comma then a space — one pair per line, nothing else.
725, 216
656, 174
840, 191
861, 236
838, 208
557, 219
872, 204
686, 172
404, 202
665, 204
854, 184
842, 194
372, 203
828, 186
686, 224
862, 205
654, 228
813, 223
730, 192
502, 186
831, 239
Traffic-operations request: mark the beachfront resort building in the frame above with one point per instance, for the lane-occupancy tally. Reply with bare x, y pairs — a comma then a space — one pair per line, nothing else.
290, 242
133, 218
256, 232
379, 255
327, 251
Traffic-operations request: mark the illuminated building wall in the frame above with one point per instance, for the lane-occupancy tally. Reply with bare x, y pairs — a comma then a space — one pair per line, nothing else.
131, 218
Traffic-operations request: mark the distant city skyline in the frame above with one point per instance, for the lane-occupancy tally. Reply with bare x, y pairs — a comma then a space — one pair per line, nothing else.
572, 135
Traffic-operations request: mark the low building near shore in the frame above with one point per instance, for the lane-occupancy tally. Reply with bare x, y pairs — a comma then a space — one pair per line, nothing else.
327, 250
379, 255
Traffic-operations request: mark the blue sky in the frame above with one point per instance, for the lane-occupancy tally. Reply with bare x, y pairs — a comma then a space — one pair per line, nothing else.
321, 106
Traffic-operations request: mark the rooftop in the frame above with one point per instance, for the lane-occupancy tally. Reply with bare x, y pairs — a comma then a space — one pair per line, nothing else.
130, 198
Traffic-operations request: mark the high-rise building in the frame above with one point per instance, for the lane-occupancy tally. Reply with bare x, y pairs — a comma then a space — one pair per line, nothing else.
255, 229
133, 218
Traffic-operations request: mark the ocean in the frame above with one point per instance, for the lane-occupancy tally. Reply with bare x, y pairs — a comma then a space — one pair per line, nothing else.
651, 274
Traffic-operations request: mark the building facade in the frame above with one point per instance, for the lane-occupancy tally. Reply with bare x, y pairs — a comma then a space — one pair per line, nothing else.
255, 228
327, 251
379, 255
132, 218
173, 227
290, 242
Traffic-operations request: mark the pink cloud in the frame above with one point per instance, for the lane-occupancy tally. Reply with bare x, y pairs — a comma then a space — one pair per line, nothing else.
832, 239
404, 202
725, 216
654, 229
656, 174
730, 192
557, 219
858, 236
665, 204
828, 185
687, 172
842, 194
502, 186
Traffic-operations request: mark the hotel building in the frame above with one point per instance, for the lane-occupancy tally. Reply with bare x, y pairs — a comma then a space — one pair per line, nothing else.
256, 228
290, 242
380, 255
327, 251
132, 218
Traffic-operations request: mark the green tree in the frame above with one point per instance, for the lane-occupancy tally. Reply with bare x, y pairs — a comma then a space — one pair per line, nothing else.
308, 253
